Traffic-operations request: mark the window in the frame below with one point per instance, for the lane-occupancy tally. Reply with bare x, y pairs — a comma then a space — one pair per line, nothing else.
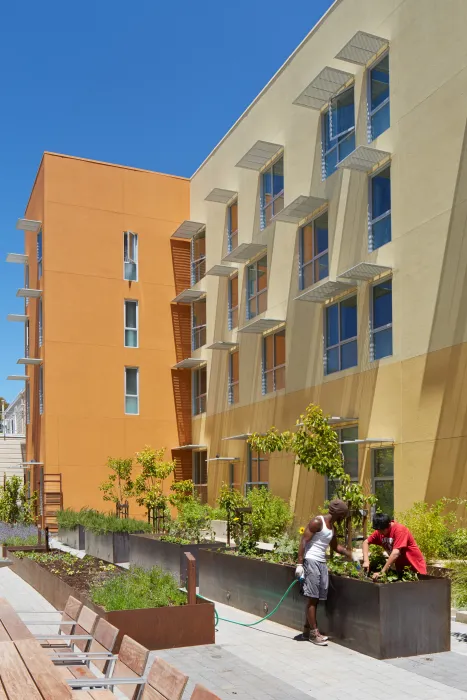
26, 282
257, 470
272, 192
41, 389
26, 339
274, 362
350, 455
378, 98
234, 476
381, 320
131, 324
198, 313
380, 209
198, 257
257, 288
314, 259
200, 475
28, 404
132, 391
40, 322
341, 335
383, 478
130, 256
39, 255
233, 302
232, 227
234, 387
338, 131
200, 378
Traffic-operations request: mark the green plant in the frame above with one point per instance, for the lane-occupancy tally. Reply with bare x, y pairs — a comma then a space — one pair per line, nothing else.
69, 519
148, 487
459, 584
138, 588
193, 522
431, 525
118, 485
455, 544
377, 557
285, 550
216, 513
100, 523
181, 492
270, 516
15, 505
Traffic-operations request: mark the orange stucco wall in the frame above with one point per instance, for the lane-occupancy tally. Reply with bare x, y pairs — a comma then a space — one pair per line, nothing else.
86, 208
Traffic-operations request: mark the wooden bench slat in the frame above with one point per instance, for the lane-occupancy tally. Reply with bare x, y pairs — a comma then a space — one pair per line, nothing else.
43, 672
167, 680
4, 636
16, 680
15, 627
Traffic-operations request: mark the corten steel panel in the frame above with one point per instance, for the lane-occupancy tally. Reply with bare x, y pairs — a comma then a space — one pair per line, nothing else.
113, 547
380, 620
75, 537
181, 263
181, 323
181, 382
148, 551
155, 628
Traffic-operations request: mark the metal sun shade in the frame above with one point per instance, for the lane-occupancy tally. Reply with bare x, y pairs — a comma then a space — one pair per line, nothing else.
364, 159
245, 252
367, 441
190, 447
300, 209
222, 345
188, 296
29, 361
190, 363
365, 271
18, 377
21, 318
188, 229
242, 436
320, 91
221, 270
224, 459
361, 48
30, 293
221, 196
261, 325
258, 155
323, 291
17, 258
29, 225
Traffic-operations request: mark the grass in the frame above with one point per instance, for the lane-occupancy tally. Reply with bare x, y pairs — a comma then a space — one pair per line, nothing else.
137, 589
99, 523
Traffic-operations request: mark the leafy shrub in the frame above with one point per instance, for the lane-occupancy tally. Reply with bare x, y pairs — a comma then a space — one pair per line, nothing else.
455, 545
459, 585
100, 523
432, 526
285, 550
192, 523
18, 535
15, 505
377, 557
69, 519
271, 515
137, 589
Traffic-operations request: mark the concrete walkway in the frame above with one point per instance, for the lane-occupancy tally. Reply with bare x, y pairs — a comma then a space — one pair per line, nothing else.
267, 663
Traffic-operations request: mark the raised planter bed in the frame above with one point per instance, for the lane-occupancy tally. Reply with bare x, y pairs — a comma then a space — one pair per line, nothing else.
381, 620
149, 550
73, 537
113, 547
155, 628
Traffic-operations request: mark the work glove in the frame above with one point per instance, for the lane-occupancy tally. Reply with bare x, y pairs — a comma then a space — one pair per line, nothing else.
300, 572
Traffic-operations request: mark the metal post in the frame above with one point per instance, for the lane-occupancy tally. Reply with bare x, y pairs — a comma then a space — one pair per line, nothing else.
191, 578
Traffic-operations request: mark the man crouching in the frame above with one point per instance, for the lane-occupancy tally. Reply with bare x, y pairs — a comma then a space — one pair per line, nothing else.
318, 536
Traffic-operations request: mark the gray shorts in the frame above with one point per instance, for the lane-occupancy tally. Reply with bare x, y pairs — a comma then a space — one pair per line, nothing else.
316, 580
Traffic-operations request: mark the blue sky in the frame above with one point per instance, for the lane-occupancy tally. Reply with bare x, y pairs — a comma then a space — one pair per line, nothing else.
150, 84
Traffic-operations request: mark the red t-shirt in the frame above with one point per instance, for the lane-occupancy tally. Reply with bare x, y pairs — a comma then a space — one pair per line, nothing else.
401, 538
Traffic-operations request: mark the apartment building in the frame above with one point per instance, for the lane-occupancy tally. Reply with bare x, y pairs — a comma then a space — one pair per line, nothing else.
328, 262
14, 416
99, 340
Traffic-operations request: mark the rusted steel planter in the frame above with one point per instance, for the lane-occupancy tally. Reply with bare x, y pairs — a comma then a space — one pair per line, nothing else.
148, 551
155, 628
113, 547
381, 620
73, 537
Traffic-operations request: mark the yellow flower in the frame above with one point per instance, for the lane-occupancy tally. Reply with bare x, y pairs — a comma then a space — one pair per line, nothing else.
301, 530
235, 519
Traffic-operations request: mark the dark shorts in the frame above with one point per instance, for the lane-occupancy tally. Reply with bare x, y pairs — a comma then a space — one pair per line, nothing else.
316, 580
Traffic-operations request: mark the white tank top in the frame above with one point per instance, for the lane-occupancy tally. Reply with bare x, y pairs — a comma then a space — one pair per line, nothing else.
317, 546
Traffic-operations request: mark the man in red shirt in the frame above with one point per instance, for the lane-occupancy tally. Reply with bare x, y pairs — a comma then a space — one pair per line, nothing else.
398, 542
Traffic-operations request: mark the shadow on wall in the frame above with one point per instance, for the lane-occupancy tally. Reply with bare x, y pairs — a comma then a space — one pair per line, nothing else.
444, 379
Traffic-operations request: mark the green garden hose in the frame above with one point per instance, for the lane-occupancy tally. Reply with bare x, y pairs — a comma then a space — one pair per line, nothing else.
249, 624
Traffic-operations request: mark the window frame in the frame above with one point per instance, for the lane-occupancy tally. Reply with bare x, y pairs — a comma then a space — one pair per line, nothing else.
199, 401
130, 236
339, 138
230, 232
196, 457
41, 389
353, 479
255, 460
40, 322
301, 264
371, 112
126, 395
256, 296
262, 205
233, 311
27, 339
340, 343
232, 384
27, 399
387, 326
198, 340
26, 283
39, 254
381, 479
234, 485
273, 370
129, 328
387, 214
198, 265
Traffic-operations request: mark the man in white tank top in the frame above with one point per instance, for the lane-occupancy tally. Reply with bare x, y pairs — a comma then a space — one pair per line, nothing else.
318, 536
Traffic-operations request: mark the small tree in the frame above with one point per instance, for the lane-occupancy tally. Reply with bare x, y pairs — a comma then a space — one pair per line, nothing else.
118, 486
181, 492
15, 506
148, 486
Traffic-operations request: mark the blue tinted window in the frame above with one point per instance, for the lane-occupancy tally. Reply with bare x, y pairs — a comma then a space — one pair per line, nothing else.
380, 196
348, 324
341, 335
379, 97
332, 325
382, 320
338, 130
